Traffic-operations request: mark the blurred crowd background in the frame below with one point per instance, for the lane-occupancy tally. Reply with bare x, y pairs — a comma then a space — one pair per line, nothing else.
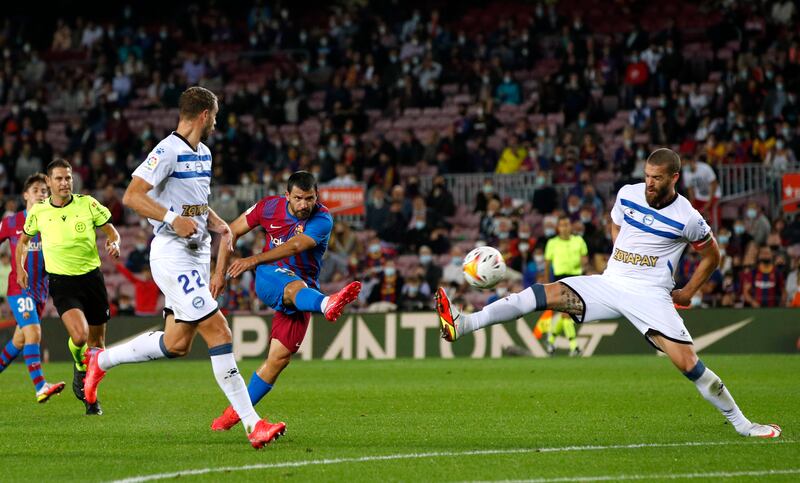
465, 124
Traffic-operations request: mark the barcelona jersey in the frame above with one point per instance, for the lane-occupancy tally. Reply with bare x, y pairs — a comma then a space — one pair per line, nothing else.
11, 229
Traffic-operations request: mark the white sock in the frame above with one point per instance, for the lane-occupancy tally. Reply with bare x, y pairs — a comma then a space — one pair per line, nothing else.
715, 392
146, 347
507, 308
324, 304
232, 384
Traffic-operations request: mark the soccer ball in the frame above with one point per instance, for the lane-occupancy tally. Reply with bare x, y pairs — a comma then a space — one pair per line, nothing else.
484, 267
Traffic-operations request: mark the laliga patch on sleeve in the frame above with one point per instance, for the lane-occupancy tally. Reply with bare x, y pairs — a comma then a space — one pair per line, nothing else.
151, 162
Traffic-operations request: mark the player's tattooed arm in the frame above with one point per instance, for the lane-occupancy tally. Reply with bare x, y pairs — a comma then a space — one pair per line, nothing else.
568, 301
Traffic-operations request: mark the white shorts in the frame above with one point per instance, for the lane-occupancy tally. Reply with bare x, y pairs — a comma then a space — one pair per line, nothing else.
185, 287
604, 299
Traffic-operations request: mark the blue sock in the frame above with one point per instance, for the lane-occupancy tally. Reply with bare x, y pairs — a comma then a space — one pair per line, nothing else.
258, 388
308, 300
8, 354
33, 360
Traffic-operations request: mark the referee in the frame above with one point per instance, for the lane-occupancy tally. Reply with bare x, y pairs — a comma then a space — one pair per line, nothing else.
568, 255
67, 224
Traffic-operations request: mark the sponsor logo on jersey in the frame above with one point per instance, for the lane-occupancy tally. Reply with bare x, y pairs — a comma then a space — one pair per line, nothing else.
634, 258
194, 210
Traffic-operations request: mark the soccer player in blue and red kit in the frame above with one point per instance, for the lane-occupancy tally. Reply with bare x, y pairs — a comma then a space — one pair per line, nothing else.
297, 228
28, 304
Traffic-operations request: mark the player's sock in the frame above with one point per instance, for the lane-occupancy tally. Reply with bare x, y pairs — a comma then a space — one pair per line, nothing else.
146, 347
507, 308
77, 354
8, 354
34, 362
258, 388
715, 392
232, 384
308, 300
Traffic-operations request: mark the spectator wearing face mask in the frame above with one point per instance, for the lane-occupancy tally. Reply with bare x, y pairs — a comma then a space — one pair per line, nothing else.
432, 273
140, 255
388, 287
544, 196
485, 195
763, 142
377, 209
419, 227
780, 157
415, 294
764, 286
453, 272
756, 223
739, 240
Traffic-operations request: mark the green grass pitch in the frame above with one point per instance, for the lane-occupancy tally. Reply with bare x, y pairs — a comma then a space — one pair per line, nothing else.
600, 418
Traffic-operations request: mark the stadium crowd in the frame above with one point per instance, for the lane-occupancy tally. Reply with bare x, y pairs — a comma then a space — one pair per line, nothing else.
386, 95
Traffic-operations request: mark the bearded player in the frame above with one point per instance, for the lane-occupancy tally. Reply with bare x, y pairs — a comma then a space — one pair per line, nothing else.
652, 224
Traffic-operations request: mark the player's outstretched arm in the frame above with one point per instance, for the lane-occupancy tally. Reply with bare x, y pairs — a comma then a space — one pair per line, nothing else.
295, 245
21, 256
237, 228
136, 198
218, 225
112, 239
709, 261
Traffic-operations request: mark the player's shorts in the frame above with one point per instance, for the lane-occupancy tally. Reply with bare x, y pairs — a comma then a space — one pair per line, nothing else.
603, 298
290, 329
271, 281
85, 292
26, 309
184, 284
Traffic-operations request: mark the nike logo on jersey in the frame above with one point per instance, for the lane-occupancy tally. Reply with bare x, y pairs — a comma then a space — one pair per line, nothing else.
274, 227
19, 232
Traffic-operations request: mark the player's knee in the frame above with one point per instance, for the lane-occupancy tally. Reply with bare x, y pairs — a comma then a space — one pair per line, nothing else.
279, 362
177, 350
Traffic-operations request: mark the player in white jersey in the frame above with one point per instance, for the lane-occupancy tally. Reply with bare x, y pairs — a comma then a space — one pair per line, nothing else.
171, 188
652, 224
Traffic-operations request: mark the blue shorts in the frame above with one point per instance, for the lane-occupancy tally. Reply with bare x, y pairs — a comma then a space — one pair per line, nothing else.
271, 281
26, 309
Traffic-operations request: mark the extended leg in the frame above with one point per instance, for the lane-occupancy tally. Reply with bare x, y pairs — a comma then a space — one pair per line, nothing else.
711, 387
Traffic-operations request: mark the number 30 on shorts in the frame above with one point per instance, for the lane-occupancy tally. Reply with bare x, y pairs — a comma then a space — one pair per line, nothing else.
25, 304
187, 280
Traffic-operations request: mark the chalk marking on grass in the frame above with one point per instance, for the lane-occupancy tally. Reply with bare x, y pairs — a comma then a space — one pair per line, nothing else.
664, 476
437, 454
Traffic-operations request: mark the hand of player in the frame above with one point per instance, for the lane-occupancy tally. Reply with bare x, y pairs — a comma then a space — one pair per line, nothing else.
217, 284
112, 248
682, 297
184, 227
240, 266
22, 278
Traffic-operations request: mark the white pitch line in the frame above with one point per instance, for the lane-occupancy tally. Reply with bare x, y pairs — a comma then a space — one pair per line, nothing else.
664, 476
365, 459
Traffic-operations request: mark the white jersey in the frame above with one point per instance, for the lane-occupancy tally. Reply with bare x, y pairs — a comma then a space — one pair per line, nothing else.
650, 241
700, 181
181, 179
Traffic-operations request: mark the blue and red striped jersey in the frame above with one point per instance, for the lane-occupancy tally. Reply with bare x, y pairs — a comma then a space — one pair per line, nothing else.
11, 229
272, 213
767, 287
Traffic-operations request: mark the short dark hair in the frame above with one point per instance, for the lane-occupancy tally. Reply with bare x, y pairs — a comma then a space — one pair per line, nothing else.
34, 178
57, 163
665, 157
303, 180
195, 100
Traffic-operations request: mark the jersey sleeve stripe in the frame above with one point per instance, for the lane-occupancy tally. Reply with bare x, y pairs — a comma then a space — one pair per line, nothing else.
658, 216
646, 228
702, 242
